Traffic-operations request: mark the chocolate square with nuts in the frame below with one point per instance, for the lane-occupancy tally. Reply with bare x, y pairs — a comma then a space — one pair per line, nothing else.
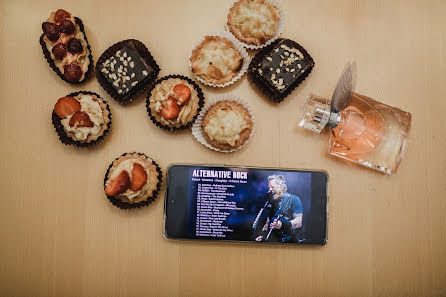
280, 67
125, 69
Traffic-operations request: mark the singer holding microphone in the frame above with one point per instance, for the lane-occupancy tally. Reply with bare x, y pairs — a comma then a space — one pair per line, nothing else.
284, 213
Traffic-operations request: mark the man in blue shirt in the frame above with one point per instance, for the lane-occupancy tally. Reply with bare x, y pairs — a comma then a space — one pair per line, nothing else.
284, 213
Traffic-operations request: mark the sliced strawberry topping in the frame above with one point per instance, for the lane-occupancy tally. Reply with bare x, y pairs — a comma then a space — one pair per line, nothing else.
61, 15
183, 93
66, 106
80, 119
52, 31
139, 177
72, 72
119, 184
170, 109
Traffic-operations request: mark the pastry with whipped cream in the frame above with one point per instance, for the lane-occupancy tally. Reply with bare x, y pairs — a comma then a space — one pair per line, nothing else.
132, 180
174, 102
253, 22
227, 125
65, 46
216, 60
81, 118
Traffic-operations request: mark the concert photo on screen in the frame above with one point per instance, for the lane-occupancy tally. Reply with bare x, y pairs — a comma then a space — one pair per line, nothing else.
246, 204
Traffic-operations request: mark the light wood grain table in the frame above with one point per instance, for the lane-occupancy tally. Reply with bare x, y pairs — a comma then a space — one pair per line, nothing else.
386, 235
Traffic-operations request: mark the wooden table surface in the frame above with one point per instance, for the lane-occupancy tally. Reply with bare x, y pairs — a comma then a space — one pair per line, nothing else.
61, 237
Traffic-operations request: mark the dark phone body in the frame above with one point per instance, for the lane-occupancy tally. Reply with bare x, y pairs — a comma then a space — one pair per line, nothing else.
184, 204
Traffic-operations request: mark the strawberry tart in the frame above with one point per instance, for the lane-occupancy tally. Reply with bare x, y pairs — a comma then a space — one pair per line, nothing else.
132, 180
65, 46
81, 118
174, 102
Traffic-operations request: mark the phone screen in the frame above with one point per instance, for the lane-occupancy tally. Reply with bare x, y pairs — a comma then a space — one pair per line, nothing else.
246, 204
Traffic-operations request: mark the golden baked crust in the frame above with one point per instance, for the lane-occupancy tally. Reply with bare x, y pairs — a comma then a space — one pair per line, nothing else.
216, 60
104, 126
253, 21
227, 125
152, 180
165, 89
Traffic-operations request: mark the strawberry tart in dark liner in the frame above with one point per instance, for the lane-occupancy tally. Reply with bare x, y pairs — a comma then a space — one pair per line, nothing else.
53, 65
123, 205
270, 93
142, 85
64, 138
200, 103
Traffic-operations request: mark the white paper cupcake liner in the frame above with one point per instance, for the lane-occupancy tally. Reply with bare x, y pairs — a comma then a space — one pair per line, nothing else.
198, 132
280, 26
238, 46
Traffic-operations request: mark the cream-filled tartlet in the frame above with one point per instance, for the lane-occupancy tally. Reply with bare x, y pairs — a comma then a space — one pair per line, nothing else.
81, 118
227, 125
174, 102
66, 47
132, 180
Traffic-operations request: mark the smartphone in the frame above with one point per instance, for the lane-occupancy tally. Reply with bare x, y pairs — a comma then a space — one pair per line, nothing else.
259, 205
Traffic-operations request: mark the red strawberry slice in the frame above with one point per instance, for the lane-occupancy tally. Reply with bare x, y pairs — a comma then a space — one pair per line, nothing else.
139, 177
80, 119
119, 184
66, 106
170, 109
61, 15
183, 93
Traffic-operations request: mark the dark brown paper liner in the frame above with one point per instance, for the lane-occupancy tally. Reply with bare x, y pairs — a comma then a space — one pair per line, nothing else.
277, 97
123, 205
64, 138
142, 85
200, 102
53, 65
